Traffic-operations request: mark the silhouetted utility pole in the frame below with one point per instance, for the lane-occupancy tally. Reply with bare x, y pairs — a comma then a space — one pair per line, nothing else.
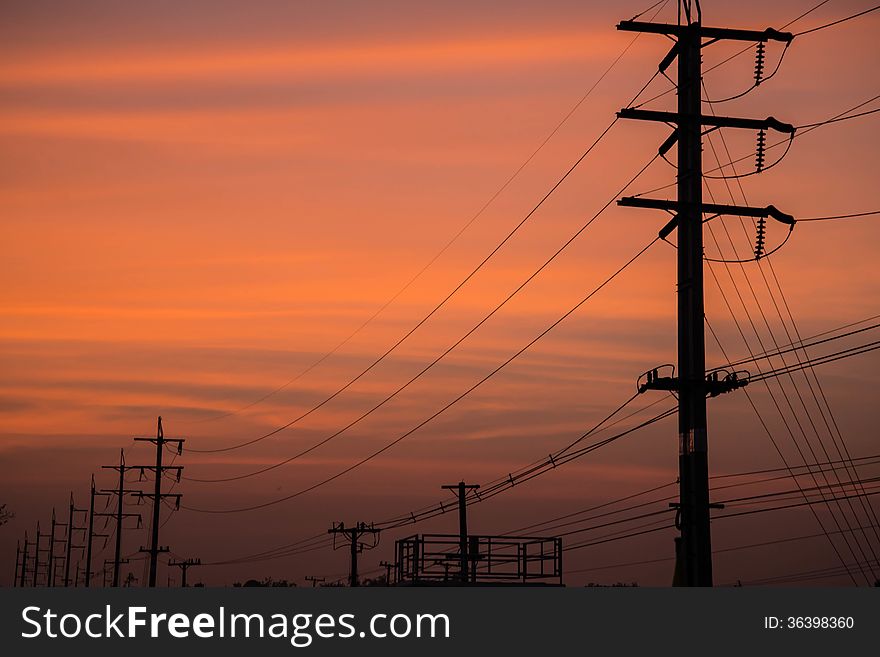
354, 534
120, 492
692, 384
17, 559
185, 565
157, 495
314, 580
43, 566
462, 489
53, 566
108, 572
37, 556
24, 557
92, 534
387, 565
50, 558
71, 527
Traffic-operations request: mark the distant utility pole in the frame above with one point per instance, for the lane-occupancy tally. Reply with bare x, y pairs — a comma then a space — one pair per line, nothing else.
53, 541
24, 556
50, 562
692, 384
354, 535
37, 555
46, 563
17, 558
71, 527
92, 534
314, 580
120, 492
108, 573
462, 489
157, 495
185, 565
387, 565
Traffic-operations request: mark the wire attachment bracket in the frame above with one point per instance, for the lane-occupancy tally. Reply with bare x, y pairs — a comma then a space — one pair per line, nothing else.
651, 380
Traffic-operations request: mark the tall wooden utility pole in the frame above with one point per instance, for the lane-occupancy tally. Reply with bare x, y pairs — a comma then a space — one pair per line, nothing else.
462, 489
185, 565
53, 566
92, 534
120, 492
71, 527
692, 385
387, 565
354, 535
17, 557
24, 556
37, 556
157, 495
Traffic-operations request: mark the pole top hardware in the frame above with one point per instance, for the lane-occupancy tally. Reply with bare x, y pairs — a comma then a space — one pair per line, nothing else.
714, 33
716, 382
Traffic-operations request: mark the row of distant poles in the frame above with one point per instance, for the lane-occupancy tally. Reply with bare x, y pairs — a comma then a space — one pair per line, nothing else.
48, 558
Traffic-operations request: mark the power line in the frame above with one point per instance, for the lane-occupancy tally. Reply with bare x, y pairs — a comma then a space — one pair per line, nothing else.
838, 440
841, 216
809, 342
801, 364
443, 302
842, 118
733, 548
308, 544
797, 391
617, 536
772, 497
837, 22
758, 414
565, 520
809, 128
738, 54
436, 360
443, 408
820, 360
796, 505
495, 487
442, 355
454, 238
758, 80
808, 575
785, 395
806, 13
319, 541
424, 319
693, 512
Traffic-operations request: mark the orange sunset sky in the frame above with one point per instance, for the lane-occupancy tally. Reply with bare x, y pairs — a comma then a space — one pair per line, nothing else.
199, 200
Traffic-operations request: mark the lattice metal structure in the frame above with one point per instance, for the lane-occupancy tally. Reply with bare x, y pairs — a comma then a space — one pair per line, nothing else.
434, 559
